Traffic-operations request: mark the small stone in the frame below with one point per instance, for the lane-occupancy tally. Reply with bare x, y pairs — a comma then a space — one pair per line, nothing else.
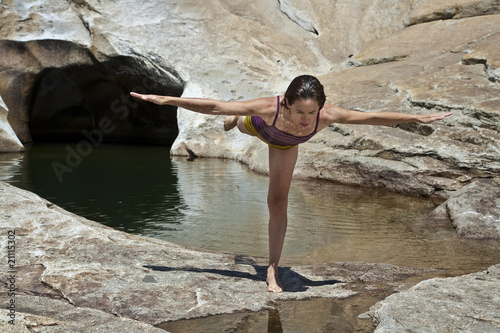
149, 279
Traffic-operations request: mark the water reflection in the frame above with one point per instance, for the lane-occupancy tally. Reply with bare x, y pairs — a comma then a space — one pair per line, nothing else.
116, 185
263, 321
226, 206
274, 321
10, 166
316, 315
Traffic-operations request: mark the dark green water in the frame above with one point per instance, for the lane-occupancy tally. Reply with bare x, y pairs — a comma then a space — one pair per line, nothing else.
219, 205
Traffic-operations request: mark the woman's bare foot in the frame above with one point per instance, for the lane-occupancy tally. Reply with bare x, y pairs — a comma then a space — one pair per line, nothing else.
273, 282
230, 122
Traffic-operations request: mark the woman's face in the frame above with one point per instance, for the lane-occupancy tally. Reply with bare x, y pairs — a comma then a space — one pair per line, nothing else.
304, 112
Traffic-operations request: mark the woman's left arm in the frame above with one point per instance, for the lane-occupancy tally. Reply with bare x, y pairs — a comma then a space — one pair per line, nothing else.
335, 114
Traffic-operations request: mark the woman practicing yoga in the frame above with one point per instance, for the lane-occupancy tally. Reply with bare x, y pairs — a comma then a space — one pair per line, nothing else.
283, 122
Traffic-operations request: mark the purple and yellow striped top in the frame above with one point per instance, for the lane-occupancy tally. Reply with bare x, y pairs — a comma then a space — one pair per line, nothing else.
273, 136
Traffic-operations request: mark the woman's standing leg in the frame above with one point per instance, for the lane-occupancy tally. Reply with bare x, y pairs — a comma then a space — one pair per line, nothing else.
281, 166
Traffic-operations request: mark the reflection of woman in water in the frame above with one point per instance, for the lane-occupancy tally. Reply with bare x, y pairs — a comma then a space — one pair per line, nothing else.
283, 122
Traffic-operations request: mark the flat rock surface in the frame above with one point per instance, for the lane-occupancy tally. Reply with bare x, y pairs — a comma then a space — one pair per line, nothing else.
469, 303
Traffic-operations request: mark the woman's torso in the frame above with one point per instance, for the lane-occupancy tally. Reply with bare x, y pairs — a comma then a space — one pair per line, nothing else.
279, 129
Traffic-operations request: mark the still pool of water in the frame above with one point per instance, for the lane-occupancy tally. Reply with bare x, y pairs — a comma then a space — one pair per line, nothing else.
219, 205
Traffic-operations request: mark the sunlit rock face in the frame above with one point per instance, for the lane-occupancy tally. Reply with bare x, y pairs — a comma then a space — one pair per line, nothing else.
65, 66
450, 70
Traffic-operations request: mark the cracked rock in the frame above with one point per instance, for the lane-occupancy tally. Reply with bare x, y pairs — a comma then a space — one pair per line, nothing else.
468, 302
297, 16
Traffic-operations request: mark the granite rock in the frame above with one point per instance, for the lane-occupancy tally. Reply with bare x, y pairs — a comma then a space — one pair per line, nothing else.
433, 10
468, 303
475, 209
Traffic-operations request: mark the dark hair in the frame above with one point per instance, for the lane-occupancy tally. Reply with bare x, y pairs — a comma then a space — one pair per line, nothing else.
305, 87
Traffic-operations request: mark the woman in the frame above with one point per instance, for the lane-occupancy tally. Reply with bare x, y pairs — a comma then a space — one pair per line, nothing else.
283, 122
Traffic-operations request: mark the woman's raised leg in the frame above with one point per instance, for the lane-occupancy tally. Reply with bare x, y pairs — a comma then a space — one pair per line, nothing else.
232, 121
281, 166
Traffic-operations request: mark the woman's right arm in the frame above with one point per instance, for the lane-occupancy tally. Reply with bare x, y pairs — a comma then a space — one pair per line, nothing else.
212, 107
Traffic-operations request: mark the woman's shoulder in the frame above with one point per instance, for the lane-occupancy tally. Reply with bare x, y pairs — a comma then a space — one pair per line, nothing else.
329, 114
263, 106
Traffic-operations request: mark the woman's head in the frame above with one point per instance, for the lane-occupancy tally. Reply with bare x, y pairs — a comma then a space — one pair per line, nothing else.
305, 87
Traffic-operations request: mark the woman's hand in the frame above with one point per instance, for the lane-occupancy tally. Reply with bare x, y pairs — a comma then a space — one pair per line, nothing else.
429, 118
160, 100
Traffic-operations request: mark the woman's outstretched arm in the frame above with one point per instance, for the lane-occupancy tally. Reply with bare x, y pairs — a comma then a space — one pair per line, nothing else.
337, 114
213, 107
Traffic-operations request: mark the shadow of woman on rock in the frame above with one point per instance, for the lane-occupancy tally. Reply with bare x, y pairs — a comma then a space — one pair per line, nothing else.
292, 281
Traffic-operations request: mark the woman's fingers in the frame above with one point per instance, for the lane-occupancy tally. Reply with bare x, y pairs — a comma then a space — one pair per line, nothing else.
140, 96
148, 98
427, 119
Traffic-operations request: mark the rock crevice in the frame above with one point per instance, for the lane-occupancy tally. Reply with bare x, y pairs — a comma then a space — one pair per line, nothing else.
297, 16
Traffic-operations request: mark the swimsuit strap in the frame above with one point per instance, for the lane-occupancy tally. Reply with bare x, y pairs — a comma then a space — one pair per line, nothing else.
317, 122
277, 111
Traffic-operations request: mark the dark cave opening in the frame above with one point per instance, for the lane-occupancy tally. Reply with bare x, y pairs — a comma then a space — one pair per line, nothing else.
92, 102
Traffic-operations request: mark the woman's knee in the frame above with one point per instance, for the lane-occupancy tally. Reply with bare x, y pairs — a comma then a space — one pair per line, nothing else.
277, 200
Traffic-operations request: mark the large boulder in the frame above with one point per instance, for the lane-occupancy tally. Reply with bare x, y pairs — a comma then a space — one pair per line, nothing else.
420, 76
475, 209
59, 86
76, 60
468, 303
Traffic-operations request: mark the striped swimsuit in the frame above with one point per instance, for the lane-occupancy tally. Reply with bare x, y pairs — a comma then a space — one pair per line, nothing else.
273, 136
